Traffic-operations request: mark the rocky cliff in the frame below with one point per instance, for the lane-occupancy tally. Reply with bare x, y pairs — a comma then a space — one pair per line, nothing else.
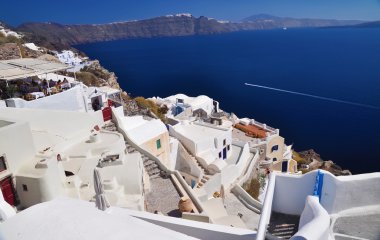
173, 25
314, 161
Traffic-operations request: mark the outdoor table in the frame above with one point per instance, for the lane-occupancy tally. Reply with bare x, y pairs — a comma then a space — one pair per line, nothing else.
37, 95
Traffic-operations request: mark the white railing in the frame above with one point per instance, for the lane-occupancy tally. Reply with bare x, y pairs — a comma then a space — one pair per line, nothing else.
251, 203
267, 208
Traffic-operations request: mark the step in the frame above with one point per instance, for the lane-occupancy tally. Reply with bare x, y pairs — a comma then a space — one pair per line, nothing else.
148, 162
151, 167
154, 171
203, 180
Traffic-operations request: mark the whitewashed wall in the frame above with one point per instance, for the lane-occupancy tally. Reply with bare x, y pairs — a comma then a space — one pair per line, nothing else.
69, 100
314, 221
16, 143
345, 192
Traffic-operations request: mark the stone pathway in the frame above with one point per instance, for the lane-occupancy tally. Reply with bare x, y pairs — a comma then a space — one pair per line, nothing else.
235, 207
163, 197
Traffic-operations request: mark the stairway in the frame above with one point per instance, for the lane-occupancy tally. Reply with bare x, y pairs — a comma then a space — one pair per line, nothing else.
150, 166
205, 176
282, 225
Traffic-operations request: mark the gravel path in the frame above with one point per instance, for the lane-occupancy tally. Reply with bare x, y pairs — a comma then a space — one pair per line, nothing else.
163, 197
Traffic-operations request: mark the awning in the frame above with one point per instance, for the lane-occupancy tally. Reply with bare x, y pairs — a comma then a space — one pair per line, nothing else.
27, 67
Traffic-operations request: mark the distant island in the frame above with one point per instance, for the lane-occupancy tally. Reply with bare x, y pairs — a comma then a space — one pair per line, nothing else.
62, 36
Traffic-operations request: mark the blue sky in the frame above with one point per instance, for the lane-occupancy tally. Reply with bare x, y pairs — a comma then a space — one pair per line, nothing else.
87, 11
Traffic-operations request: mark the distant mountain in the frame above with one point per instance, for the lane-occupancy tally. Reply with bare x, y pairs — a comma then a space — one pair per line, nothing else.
375, 24
297, 22
61, 36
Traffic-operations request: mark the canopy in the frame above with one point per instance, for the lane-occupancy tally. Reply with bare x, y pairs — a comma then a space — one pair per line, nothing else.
27, 67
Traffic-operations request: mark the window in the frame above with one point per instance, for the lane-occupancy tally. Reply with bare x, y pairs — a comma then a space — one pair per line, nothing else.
158, 143
228, 147
24, 188
3, 166
274, 148
274, 159
69, 173
224, 142
220, 155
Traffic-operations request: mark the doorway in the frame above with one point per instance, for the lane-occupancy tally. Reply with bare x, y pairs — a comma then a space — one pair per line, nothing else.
8, 190
284, 166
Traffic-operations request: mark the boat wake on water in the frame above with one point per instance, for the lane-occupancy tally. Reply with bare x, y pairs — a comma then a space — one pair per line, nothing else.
315, 96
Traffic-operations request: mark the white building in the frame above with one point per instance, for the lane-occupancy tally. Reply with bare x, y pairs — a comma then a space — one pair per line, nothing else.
180, 103
31, 46
59, 153
8, 32
211, 145
328, 207
73, 60
69, 57
152, 135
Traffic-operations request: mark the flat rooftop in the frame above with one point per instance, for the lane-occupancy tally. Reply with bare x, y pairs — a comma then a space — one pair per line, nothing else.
197, 132
252, 130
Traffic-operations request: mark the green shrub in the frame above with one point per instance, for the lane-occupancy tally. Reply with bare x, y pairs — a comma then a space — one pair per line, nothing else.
89, 79
253, 188
153, 107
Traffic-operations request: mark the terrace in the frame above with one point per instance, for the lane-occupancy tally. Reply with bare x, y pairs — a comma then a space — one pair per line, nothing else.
24, 78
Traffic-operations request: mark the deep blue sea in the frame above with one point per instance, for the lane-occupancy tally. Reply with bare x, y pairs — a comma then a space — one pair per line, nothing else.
340, 63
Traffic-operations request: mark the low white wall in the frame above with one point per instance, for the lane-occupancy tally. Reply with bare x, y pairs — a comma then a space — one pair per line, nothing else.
213, 185
229, 175
249, 169
247, 199
338, 193
173, 143
185, 161
345, 192
314, 222
196, 229
69, 100
291, 191
243, 159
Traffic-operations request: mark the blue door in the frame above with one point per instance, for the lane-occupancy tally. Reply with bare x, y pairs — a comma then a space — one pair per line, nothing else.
192, 183
224, 153
284, 166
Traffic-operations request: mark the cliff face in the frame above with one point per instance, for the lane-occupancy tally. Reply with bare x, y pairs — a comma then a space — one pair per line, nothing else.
178, 25
157, 27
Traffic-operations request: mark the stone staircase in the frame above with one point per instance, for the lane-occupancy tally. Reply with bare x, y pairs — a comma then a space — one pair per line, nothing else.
282, 226
150, 166
205, 176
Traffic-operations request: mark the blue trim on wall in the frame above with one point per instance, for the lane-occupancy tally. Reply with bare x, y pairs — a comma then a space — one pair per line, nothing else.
318, 185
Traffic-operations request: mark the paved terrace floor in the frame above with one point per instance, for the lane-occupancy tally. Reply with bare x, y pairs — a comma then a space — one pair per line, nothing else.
357, 227
235, 207
240, 135
163, 197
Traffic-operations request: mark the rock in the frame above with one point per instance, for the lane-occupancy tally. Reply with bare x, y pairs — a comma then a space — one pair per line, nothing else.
314, 160
9, 51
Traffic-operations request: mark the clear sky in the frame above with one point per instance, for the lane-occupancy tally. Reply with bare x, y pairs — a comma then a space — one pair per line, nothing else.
15, 12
